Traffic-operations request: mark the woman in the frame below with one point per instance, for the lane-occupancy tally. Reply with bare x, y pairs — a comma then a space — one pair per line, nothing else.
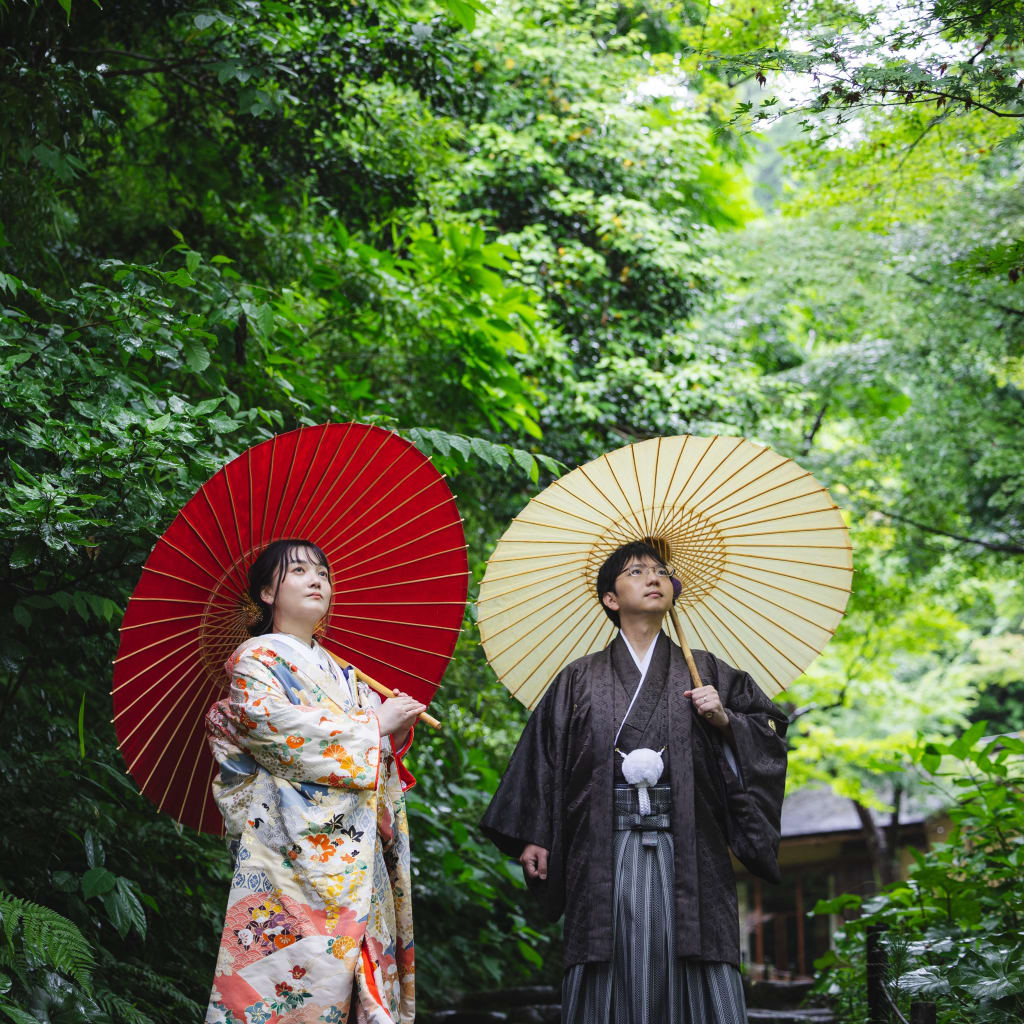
319, 923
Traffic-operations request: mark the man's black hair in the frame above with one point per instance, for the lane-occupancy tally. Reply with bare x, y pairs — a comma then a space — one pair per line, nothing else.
616, 562
269, 569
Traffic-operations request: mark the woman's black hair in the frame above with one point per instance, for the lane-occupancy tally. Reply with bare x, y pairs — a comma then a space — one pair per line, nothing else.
268, 570
616, 562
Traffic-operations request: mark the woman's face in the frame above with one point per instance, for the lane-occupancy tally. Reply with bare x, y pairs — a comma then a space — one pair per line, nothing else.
303, 593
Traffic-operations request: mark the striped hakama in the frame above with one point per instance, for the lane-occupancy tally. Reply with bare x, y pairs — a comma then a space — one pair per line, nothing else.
645, 983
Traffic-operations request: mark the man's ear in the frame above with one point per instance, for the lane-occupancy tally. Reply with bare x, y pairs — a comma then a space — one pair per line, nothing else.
610, 600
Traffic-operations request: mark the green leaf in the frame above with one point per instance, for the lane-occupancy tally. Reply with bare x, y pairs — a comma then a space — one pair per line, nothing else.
154, 426
81, 729
525, 461
66, 5
94, 855
197, 357
529, 953
466, 17
97, 881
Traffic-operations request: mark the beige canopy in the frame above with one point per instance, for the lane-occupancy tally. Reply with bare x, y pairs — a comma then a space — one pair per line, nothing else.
760, 548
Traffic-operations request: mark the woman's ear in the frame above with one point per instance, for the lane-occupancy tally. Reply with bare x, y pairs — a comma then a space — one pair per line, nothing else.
267, 595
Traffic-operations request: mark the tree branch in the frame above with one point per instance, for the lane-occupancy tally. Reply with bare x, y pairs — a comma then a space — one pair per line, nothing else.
1006, 549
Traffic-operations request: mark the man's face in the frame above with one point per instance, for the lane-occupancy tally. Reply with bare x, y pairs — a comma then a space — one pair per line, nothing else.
639, 590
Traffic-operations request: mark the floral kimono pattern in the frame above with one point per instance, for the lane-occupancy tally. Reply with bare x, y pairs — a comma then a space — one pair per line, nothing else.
319, 918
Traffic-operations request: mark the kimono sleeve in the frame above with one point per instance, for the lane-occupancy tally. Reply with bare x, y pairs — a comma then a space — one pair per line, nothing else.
265, 716
527, 806
754, 794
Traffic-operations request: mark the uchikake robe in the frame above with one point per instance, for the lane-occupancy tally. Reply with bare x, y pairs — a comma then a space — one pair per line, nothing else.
557, 793
319, 919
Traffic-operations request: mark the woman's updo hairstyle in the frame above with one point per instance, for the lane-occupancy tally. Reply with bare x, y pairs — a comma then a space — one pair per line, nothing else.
268, 570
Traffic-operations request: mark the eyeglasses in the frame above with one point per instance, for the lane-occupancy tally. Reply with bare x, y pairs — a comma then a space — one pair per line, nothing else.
636, 571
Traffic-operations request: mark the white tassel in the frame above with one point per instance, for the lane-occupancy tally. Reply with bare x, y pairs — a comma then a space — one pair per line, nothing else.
643, 768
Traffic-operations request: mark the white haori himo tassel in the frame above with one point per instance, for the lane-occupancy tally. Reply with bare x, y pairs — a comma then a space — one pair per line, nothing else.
642, 768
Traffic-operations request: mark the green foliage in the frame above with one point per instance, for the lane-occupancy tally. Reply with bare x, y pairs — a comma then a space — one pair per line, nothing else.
953, 927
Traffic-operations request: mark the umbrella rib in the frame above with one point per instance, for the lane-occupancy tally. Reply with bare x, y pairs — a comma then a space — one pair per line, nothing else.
186, 798
400, 622
365, 510
695, 504
398, 547
561, 485
390, 643
291, 469
725, 647
518, 604
574, 560
323, 484
364, 486
640, 492
177, 579
232, 505
121, 658
401, 565
266, 490
741, 486
567, 632
381, 661
213, 514
154, 732
310, 513
199, 536
630, 511
598, 528
775, 518
814, 651
726, 581
506, 608
678, 502
815, 490
206, 692
736, 559
731, 571
586, 643
706, 473
570, 607
668, 502
182, 662
174, 547
405, 524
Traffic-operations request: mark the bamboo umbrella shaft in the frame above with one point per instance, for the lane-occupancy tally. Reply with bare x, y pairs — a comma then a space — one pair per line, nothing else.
687, 653
383, 690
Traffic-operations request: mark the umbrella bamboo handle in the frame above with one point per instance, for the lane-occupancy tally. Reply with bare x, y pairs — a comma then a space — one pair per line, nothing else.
687, 653
383, 690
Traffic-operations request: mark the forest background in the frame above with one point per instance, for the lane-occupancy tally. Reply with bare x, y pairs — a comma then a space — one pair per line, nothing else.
518, 233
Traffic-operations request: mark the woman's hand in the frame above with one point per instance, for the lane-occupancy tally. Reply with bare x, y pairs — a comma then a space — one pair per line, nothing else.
398, 713
535, 861
709, 706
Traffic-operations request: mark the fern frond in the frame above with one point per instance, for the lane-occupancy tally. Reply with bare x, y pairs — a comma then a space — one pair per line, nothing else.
162, 986
19, 1016
47, 937
120, 1009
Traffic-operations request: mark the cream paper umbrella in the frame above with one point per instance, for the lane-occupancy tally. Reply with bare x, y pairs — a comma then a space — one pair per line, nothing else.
759, 547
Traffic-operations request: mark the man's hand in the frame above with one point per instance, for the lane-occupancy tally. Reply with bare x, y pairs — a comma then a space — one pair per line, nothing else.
397, 713
709, 706
535, 861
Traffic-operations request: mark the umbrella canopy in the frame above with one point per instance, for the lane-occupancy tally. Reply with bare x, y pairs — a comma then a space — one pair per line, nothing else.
388, 524
760, 548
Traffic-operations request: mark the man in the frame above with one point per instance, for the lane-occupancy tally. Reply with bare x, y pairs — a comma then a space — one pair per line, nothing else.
651, 924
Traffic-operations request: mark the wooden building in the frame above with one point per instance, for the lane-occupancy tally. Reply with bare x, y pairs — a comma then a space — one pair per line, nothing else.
823, 854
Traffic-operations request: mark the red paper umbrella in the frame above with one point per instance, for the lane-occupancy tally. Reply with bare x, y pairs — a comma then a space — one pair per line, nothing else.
388, 524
